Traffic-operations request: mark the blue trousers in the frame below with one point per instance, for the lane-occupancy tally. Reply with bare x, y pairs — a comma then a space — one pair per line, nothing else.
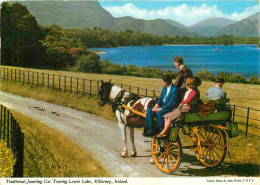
151, 115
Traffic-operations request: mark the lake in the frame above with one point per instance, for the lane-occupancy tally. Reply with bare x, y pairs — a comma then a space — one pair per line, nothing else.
240, 59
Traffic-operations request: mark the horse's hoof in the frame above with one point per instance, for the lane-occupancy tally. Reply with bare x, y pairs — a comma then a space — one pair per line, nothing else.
133, 154
124, 154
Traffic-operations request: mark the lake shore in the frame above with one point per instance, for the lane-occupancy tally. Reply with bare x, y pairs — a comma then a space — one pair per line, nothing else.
98, 52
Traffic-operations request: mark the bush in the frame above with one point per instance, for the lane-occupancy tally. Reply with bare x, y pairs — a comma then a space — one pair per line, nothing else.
204, 75
254, 80
89, 63
236, 78
110, 68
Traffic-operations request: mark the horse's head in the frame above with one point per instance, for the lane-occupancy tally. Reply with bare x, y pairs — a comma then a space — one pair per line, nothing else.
104, 92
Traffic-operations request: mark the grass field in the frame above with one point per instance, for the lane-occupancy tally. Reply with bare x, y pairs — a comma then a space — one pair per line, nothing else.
49, 153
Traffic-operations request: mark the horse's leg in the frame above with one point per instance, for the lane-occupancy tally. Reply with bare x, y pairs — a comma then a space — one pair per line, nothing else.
132, 138
122, 127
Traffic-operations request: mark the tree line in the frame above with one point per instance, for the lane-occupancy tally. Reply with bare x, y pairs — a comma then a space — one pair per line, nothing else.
25, 43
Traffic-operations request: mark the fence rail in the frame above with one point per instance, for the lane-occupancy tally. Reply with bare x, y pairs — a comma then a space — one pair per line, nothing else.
11, 133
90, 87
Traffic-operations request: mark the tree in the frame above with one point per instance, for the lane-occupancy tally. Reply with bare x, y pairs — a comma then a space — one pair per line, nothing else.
89, 63
20, 36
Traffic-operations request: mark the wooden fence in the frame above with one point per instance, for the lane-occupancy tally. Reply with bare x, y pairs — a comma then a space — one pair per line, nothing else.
11, 133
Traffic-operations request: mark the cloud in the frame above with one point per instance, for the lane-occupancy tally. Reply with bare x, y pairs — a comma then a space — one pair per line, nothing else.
248, 11
183, 13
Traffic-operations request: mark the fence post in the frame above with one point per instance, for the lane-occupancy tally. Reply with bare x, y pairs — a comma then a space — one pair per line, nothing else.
23, 77
33, 78
138, 91
121, 86
53, 81
4, 72
130, 88
1, 121
19, 75
59, 82
15, 74
4, 123
83, 86
153, 93
97, 88
71, 84
8, 131
37, 74
48, 80
90, 87
145, 92
77, 85
247, 120
12, 133
11, 74
22, 155
64, 83
28, 77
42, 79
234, 113
7, 74
15, 137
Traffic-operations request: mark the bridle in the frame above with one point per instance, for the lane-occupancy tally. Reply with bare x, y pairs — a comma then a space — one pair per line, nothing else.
118, 100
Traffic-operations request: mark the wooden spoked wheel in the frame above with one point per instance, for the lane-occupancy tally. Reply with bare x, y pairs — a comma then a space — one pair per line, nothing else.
166, 154
213, 148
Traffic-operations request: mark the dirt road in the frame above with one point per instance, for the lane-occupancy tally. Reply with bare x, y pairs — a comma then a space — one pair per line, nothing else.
101, 137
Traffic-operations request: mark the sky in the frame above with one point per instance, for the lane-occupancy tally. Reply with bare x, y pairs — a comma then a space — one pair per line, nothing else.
185, 12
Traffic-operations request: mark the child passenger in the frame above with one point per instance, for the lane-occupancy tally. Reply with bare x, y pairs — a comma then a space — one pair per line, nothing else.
191, 94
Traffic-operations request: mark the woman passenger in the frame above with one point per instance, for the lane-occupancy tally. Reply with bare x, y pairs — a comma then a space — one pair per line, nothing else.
191, 94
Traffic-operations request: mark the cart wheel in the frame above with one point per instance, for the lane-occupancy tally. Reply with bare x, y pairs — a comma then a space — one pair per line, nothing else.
212, 151
166, 154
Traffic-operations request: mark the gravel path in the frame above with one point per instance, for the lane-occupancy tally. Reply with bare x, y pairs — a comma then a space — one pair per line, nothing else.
99, 136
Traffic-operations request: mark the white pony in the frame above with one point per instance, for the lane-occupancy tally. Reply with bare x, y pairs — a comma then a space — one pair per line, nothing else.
116, 96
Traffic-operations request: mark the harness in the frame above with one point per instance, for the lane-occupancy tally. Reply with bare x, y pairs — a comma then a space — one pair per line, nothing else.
117, 101
120, 103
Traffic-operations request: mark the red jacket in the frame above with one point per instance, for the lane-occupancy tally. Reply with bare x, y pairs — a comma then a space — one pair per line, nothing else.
191, 96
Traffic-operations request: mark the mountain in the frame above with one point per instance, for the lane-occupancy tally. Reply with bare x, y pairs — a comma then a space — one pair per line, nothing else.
248, 27
210, 27
90, 14
176, 24
70, 14
156, 27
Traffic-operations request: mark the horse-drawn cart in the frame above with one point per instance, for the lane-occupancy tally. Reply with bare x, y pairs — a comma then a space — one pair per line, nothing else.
210, 137
210, 132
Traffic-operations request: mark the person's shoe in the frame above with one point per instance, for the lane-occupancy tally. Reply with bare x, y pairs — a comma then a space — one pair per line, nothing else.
150, 132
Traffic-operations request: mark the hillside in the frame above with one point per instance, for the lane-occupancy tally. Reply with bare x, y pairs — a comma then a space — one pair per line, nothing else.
70, 14
176, 24
210, 27
82, 14
156, 27
248, 27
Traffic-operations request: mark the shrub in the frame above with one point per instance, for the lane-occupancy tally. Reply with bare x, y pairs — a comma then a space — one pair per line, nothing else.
237, 78
89, 63
254, 80
204, 75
